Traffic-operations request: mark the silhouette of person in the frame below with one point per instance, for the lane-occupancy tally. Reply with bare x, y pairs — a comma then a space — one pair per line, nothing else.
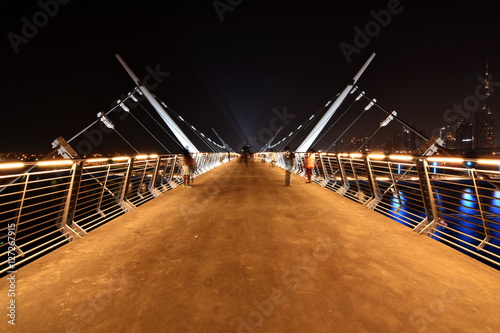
272, 157
309, 164
187, 163
290, 164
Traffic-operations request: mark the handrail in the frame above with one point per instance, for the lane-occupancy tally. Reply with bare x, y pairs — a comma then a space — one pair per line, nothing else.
439, 197
44, 205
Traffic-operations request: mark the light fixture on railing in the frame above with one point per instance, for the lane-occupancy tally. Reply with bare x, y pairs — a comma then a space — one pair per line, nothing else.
445, 159
14, 165
376, 156
490, 162
401, 157
96, 160
54, 163
121, 158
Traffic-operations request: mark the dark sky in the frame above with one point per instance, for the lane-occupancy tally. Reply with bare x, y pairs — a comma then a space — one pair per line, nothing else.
231, 74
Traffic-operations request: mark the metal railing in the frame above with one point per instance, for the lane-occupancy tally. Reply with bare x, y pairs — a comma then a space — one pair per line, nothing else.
46, 204
453, 200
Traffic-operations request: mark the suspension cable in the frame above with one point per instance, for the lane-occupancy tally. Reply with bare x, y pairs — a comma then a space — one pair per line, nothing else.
126, 141
172, 137
348, 127
149, 132
331, 126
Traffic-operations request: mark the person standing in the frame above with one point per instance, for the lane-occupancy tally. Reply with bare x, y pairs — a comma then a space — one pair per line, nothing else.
310, 162
187, 163
290, 164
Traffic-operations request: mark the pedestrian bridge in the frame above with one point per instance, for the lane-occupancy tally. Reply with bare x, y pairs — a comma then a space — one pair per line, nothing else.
120, 247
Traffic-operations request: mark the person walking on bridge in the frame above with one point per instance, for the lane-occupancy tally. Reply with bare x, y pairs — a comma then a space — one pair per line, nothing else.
188, 164
310, 162
290, 164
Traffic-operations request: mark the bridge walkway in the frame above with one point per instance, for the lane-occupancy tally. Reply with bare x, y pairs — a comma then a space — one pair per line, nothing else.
240, 252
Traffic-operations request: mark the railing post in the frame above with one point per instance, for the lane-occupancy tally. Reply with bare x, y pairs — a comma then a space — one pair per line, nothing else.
487, 236
355, 176
104, 186
345, 182
123, 201
172, 172
325, 174
144, 172
19, 214
375, 196
71, 201
429, 223
152, 188
394, 184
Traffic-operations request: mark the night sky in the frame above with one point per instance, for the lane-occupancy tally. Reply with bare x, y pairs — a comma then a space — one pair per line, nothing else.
227, 65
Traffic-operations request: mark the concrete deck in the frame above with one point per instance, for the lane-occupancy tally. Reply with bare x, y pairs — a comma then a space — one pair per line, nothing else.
240, 252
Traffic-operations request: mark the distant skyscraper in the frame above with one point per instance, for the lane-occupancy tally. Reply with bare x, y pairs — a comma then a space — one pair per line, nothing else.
464, 134
484, 125
447, 134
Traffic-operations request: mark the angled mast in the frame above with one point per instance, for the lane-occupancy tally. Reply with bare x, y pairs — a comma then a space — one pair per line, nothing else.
179, 134
311, 137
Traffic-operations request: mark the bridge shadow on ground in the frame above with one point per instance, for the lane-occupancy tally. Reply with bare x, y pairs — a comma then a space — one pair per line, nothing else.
240, 252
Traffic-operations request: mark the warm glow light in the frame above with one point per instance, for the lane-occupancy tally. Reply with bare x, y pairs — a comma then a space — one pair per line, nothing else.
141, 157
121, 158
153, 156
54, 163
355, 155
445, 159
96, 160
492, 162
376, 156
401, 157
11, 165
